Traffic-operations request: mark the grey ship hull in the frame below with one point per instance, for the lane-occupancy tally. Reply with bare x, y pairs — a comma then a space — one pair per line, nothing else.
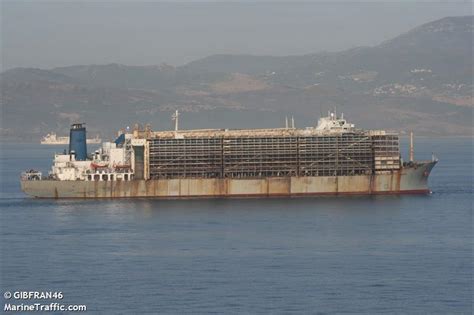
406, 180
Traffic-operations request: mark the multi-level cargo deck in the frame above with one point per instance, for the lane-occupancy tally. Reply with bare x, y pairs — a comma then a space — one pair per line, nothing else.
275, 154
332, 158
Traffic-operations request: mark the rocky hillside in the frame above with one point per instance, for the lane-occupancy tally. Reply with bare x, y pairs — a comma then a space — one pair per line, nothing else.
420, 80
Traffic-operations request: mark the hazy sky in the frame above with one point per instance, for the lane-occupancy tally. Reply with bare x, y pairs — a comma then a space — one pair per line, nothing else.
48, 34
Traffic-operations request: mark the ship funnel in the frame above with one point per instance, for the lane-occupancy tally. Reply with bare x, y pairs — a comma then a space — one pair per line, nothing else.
77, 141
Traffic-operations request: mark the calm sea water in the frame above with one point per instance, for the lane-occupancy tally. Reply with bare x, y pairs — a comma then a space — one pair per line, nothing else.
384, 254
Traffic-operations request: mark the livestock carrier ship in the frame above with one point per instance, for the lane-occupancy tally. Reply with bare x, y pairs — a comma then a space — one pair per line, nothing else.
332, 158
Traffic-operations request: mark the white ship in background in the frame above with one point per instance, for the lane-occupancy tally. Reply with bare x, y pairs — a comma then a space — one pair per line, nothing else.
53, 139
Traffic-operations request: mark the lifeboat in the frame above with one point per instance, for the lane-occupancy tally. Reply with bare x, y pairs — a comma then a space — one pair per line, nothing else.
99, 165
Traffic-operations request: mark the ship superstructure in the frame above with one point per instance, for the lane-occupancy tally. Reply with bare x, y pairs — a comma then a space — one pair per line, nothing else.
110, 162
331, 158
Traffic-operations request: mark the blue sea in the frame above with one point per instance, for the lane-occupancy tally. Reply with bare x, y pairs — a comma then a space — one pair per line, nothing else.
354, 255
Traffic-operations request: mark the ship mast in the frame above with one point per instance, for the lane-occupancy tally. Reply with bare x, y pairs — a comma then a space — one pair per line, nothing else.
175, 117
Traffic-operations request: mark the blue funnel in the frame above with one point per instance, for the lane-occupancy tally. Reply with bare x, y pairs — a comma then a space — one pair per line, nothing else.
77, 141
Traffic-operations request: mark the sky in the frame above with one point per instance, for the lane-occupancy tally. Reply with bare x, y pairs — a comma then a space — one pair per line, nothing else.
45, 34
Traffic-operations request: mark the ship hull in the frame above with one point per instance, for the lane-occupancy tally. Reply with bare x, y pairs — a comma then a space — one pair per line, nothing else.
407, 180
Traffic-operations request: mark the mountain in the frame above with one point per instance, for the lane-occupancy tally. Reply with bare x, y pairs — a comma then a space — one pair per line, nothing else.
420, 80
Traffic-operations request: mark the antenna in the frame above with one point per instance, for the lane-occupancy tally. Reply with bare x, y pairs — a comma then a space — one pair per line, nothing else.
286, 122
292, 122
175, 117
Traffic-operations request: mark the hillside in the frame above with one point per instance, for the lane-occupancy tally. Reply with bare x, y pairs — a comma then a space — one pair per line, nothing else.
420, 80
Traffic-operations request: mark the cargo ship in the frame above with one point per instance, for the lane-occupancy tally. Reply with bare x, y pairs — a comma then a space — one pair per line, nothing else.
53, 139
331, 158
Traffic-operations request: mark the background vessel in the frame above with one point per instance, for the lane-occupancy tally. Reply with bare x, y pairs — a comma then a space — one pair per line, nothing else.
53, 139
